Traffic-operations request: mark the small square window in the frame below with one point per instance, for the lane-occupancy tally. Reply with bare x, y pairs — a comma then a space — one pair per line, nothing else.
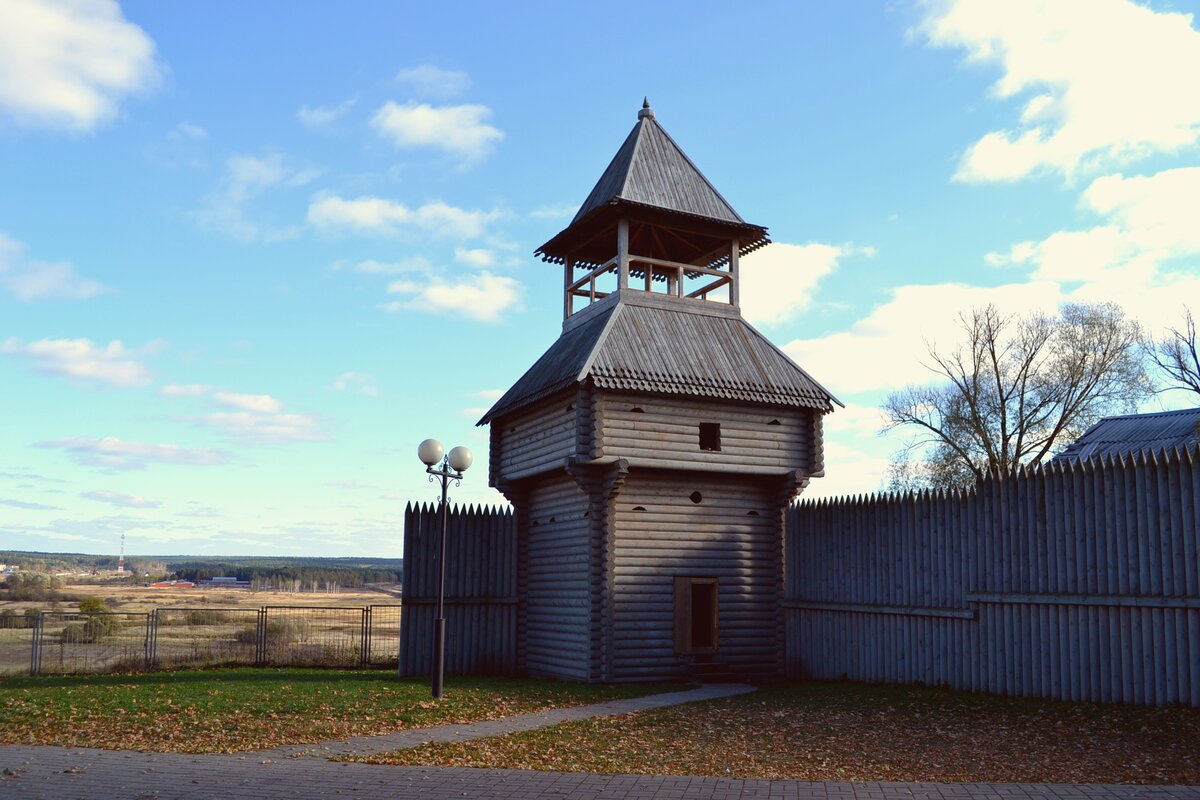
710, 436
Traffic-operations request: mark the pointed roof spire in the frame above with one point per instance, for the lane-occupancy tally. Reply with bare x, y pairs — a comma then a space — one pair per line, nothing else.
651, 179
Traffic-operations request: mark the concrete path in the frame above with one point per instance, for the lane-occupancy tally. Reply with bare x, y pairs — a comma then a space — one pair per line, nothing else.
402, 740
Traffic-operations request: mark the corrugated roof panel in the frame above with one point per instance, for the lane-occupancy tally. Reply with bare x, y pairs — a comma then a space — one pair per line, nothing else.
1134, 433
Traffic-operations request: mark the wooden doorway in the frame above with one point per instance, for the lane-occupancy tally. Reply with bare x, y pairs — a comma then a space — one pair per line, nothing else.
696, 615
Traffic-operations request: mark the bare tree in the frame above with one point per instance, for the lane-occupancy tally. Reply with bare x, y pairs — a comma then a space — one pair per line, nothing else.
1015, 388
1177, 357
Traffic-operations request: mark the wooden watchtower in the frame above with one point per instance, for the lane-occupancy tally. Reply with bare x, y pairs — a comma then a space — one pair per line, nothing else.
651, 451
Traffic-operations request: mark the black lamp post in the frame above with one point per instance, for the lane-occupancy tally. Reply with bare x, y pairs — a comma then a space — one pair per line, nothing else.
444, 470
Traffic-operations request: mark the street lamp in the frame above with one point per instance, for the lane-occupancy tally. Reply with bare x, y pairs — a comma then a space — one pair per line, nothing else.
451, 468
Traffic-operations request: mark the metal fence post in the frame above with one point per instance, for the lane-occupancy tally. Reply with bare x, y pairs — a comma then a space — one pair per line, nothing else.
260, 653
364, 654
35, 650
151, 640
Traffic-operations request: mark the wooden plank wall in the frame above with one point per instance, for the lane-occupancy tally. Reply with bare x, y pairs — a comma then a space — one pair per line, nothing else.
558, 607
537, 438
1072, 581
481, 590
672, 536
666, 432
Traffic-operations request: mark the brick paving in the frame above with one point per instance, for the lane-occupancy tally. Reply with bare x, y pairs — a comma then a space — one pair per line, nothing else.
58, 773
54, 773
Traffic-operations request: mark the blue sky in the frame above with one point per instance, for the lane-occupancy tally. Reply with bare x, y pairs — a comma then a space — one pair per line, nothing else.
252, 253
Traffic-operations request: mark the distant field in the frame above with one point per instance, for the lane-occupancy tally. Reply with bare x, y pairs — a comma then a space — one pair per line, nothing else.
212, 638
144, 598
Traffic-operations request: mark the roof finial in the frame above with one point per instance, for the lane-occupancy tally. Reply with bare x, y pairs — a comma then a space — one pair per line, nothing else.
646, 111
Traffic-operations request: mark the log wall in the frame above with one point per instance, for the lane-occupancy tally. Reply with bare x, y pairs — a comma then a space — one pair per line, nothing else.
556, 556
659, 533
1073, 581
665, 432
481, 590
538, 438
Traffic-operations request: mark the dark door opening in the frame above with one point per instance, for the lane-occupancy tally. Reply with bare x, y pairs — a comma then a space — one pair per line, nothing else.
696, 615
704, 615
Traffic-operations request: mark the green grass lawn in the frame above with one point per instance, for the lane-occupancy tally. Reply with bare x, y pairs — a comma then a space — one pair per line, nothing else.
855, 732
230, 710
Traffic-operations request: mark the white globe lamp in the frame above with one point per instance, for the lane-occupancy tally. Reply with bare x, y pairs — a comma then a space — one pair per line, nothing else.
430, 452
461, 459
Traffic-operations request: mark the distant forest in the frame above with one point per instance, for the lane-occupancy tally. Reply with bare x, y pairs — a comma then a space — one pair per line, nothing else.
290, 574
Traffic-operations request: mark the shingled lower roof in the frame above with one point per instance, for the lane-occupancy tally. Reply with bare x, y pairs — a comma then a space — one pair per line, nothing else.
667, 348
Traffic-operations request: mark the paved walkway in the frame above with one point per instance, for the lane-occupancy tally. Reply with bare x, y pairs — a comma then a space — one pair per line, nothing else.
58, 773
402, 740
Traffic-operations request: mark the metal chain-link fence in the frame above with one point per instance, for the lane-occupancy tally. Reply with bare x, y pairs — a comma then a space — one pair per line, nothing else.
173, 638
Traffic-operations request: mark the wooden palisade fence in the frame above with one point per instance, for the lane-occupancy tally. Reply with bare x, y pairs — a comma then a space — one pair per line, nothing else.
481, 590
1077, 581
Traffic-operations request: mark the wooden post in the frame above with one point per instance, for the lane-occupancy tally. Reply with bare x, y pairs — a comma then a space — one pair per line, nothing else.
679, 282
622, 254
734, 299
568, 279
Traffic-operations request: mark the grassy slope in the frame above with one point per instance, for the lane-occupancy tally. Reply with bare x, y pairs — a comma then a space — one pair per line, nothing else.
867, 733
243, 709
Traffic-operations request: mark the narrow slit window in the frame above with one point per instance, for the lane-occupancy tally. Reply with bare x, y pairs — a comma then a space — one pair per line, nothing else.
710, 436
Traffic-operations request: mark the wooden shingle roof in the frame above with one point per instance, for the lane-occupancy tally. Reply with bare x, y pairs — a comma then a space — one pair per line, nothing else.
647, 345
652, 170
651, 178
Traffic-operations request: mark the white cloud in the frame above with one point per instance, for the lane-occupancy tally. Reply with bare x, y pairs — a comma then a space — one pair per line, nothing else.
184, 390
778, 281
30, 280
67, 65
886, 349
226, 208
461, 131
323, 116
122, 500
264, 427
848, 471
483, 297
427, 80
186, 132
27, 506
113, 453
475, 257
401, 267
489, 394
1147, 222
376, 215
351, 381
1107, 81
560, 211
258, 419
258, 403
83, 360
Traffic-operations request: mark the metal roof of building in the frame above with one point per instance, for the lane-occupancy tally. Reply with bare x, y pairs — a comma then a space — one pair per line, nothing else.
651, 169
648, 344
1134, 433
